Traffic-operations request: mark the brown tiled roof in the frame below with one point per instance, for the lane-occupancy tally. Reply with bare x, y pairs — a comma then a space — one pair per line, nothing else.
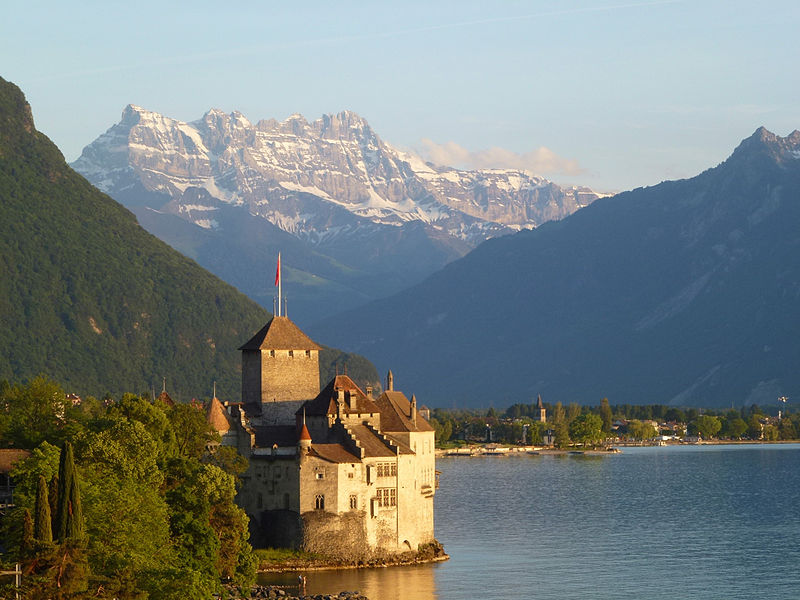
372, 444
217, 416
395, 409
269, 435
280, 334
335, 453
164, 397
305, 434
325, 402
8, 456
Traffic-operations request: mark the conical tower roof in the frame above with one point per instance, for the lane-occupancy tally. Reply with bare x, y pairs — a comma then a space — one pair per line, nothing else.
217, 416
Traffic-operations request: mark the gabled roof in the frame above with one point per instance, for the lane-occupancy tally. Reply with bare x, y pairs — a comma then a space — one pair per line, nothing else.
217, 416
335, 453
280, 334
326, 402
373, 445
395, 414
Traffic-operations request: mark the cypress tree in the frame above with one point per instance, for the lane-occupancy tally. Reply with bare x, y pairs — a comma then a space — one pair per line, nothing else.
26, 544
75, 526
66, 473
42, 525
52, 498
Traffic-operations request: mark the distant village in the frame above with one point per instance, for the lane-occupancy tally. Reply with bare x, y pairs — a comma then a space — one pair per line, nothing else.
555, 426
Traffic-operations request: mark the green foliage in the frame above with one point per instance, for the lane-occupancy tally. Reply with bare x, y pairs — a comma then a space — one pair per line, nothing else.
561, 432
43, 461
156, 520
67, 493
27, 541
192, 432
228, 459
43, 524
606, 415
708, 426
586, 429
35, 412
639, 430
89, 297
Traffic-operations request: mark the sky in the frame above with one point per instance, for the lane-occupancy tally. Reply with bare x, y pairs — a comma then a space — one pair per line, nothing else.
609, 94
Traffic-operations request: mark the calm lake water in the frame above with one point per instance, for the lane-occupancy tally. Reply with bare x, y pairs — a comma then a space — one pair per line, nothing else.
671, 522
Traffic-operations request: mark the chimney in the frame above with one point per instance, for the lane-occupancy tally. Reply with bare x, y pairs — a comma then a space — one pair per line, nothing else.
369, 391
390, 382
413, 409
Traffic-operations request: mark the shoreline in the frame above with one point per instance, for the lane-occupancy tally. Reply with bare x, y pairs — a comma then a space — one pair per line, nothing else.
500, 451
322, 565
430, 553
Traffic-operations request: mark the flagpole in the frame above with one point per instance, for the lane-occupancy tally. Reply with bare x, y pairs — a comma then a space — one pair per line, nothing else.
278, 277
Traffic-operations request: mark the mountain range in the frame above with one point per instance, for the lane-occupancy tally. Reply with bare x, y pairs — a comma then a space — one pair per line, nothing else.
354, 218
92, 300
683, 293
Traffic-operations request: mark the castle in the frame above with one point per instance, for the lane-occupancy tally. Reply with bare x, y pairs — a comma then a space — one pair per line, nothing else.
331, 468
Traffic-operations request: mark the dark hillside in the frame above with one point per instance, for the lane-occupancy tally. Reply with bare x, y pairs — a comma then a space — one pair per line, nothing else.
91, 299
686, 292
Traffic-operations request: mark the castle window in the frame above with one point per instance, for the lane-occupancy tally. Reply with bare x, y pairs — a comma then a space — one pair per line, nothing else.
351, 475
291, 353
353, 502
272, 353
320, 475
387, 469
387, 497
308, 353
319, 502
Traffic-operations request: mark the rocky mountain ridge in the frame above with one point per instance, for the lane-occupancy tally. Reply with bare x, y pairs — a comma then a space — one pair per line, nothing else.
338, 160
384, 218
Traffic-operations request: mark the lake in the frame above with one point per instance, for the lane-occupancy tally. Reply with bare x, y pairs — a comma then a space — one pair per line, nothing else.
719, 521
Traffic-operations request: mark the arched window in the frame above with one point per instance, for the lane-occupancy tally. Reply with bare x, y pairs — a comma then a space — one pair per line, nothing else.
319, 502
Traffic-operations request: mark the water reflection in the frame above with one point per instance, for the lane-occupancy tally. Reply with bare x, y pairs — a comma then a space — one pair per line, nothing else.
392, 583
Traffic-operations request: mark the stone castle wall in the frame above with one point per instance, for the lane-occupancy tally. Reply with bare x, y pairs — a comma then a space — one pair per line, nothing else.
289, 375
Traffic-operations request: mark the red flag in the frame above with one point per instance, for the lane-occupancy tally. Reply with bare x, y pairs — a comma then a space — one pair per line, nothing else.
278, 270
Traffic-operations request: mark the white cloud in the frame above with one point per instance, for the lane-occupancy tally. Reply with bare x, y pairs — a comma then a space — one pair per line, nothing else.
541, 161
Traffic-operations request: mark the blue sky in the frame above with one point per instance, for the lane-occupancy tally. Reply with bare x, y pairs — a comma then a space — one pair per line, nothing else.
613, 95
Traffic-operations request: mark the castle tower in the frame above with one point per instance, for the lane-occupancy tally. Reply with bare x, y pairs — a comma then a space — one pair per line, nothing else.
280, 369
390, 381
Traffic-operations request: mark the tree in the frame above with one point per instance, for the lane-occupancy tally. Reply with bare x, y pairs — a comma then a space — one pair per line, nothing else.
735, 428
36, 412
754, 427
69, 520
573, 410
26, 543
586, 429
192, 432
606, 416
561, 432
42, 525
708, 426
675, 415
641, 431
